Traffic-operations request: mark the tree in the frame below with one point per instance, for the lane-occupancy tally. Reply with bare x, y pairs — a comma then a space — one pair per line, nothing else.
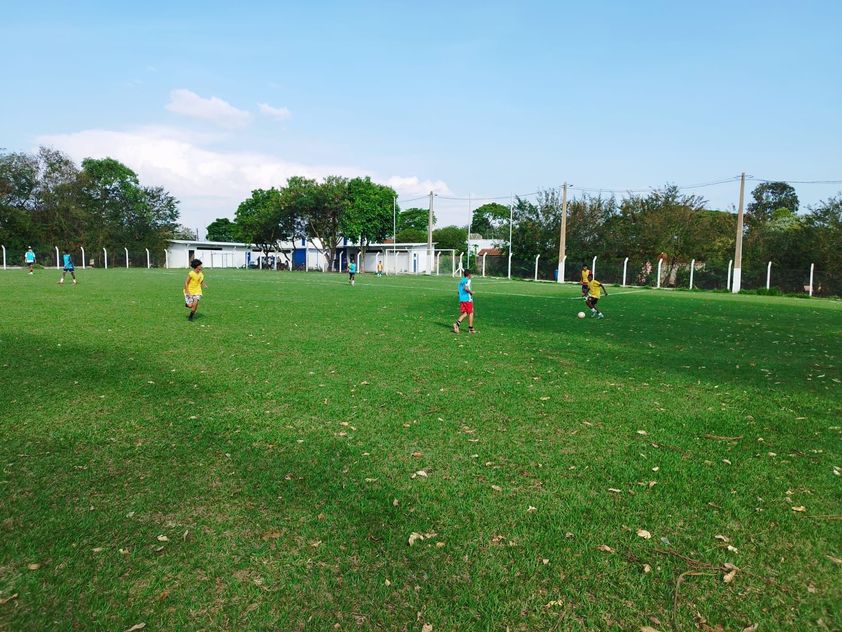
183, 232
411, 236
319, 208
417, 218
223, 229
451, 238
263, 220
18, 183
491, 221
770, 196
368, 216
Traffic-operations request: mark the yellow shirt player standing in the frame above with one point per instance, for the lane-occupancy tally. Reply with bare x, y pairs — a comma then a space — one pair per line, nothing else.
585, 273
595, 292
193, 287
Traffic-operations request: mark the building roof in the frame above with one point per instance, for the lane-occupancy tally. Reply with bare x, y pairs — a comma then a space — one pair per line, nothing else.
204, 242
494, 252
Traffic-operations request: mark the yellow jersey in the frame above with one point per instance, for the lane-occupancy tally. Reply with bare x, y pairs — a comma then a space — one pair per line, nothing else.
594, 289
194, 282
585, 274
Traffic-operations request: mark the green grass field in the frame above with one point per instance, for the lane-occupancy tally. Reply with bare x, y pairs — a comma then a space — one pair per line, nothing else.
265, 466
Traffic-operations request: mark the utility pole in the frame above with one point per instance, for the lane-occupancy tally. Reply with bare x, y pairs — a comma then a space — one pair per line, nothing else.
430, 237
738, 252
562, 238
470, 223
394, 222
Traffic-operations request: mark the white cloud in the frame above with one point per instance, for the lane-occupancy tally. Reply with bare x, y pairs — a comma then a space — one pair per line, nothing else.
280, 114
214, 110
208, 182
413, 186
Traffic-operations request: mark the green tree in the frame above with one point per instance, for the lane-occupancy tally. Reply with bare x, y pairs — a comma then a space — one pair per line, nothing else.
223, 229
417, 218
263, 220
770, 196
368, 215
451, 238
18, 184
491, 221
411, 236
319, 208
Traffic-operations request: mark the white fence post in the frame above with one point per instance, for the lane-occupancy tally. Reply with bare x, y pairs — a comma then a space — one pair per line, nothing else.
730, 263
58, 267
4, 256
84, 263
593, 267
148, 262
126, 250
340, 260
536, 265
561, 265
438, 262
510, 266
460, 268
625, 267
768, 275
105, 252
812, 267
166, 259
692, 269
660, 262
484, 255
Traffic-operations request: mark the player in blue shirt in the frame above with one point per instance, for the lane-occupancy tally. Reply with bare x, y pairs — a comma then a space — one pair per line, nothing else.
68, 267
466, 303
352, 272
29, 257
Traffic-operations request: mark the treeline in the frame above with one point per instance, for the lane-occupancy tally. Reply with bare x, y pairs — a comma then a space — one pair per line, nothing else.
47, 201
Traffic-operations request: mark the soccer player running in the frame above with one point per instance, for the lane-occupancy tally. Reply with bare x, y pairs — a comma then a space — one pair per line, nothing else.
193, 287
68, 267
29, 257
585, 273
595, 292
352, 273
466, 303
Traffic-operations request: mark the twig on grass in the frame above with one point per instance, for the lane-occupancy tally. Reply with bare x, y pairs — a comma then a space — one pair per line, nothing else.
678, 586
721, 438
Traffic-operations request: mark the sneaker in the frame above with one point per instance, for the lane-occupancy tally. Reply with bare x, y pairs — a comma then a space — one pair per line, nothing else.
471, 330
600, 315
456, 328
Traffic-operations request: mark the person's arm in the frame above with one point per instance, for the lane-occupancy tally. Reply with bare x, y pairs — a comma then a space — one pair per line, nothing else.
605, 291
186, 282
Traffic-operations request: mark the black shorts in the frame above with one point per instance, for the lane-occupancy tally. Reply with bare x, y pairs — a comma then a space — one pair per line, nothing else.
592, 301
70, 269
351, 275
584, 288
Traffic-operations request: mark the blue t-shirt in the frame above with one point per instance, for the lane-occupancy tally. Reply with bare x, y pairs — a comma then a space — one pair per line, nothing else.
352, 268
30, 256
68, 262
464, 286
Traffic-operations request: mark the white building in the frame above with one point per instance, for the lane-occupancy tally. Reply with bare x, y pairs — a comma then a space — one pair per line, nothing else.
213, 254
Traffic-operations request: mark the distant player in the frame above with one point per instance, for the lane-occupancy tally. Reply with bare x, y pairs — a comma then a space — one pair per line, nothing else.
29, 257
595, 292
466, 303
68, 267
352, 273
193, 287
585, 274
380, 268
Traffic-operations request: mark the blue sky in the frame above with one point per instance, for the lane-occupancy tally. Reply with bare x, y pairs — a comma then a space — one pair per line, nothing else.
212, 99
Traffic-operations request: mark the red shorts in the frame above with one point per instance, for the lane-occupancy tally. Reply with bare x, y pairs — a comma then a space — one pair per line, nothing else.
466, 307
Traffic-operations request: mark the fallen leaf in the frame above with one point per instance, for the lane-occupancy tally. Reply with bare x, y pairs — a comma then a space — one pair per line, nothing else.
642, 432
497, 488
751, 628
614, 490
643, 533
440, 545
271, 534
553, 603
6, 600
135, 627
647, 628
163, 538
605, 547
124, 551
395, 502
427, 627
835, 560
387, 583
729, 577
421, 473
531, 509
414, 537
721, 538
417, 454
34, 566
568, 535
98, 549
733, 549
726, 461
647, 568
545, 561
800, 509
316, 543
652, 484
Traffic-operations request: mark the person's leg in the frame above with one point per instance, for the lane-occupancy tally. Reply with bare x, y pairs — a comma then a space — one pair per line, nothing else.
471, 322
73, 274
61, 280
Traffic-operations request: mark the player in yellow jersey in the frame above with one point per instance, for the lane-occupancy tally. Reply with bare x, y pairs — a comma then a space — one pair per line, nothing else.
595, 292
585, 273
193, 287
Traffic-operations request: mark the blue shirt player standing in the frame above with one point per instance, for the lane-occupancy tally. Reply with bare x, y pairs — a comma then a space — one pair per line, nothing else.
29, 257
466, 303
68, 267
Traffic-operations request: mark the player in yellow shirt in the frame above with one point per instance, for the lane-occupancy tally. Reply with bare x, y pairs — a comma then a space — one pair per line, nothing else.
193, 287
585, 273
595, 292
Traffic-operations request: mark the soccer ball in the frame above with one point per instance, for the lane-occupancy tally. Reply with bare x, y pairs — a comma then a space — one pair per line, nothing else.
581, 314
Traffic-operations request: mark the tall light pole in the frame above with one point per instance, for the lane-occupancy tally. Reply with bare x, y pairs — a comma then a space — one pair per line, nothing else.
738, 251
470, 223
430, 237
394, 222
562, 238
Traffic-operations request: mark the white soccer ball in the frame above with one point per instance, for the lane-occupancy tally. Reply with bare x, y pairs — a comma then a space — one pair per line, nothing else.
581, 314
